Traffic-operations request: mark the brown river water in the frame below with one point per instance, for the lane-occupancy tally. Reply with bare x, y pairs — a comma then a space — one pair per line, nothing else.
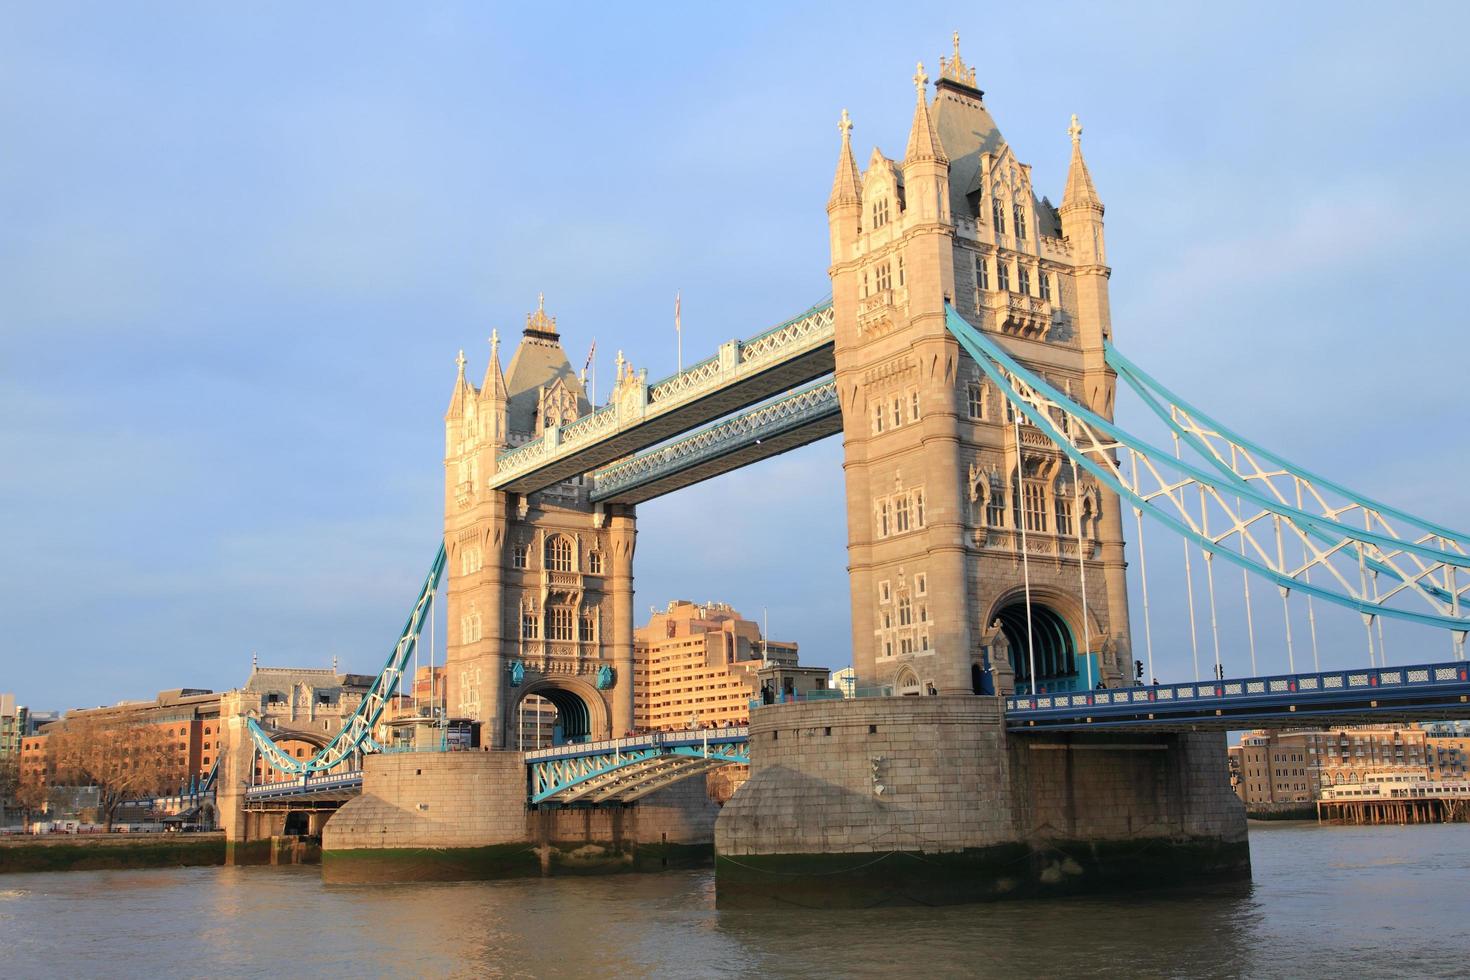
1324, 902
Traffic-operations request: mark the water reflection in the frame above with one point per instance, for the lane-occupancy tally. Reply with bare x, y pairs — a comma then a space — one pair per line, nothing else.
1340, 901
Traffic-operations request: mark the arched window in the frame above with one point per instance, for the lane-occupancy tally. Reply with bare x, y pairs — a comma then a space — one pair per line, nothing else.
998, 213
558, 554
518, 556
594, 563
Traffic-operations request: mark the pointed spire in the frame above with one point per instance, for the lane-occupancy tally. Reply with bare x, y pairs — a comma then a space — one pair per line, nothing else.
462, 390
1080, 192
846, 185
923, 142
494, 384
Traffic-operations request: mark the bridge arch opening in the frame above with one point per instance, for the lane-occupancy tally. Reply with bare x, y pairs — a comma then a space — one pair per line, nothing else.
1050, 642
552, 713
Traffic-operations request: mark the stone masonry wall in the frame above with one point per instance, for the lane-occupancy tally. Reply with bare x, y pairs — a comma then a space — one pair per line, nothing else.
952, 779
816, 768
478, 799
441, 799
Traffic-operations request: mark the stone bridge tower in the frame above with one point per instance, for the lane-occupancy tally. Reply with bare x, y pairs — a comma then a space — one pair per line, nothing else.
940, 483
540, 585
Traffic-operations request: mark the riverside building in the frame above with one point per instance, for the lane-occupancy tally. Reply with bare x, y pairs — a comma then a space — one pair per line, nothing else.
705, 663
1290, 769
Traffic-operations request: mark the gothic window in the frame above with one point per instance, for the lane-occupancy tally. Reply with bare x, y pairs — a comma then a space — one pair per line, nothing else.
998, 213
887, 619
877, 418
900, 270
906, 644
560, 627
982, 272
594, 563
995, 511
1023, 279
884, 592
1019, 213
918, 508
914, 406
865, 283
1064, 514
518, 556
923, 612
883, 517
1033, 505
897, 413
1002, 274
901, 515
1044, 279
975, 400
924, 641
887, 648
880, 213
905, 611
883, 278
921, 584
530, 625
558, 554
589, 626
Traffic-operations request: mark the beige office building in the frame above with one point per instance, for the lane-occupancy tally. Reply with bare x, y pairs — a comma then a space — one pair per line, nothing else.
705, 662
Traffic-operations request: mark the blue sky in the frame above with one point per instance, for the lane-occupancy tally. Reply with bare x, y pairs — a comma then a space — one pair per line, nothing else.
239, 248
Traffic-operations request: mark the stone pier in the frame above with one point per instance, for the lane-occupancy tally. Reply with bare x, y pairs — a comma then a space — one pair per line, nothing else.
929, 801
464, 815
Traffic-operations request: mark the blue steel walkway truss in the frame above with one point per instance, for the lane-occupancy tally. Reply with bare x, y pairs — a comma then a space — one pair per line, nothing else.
627, 769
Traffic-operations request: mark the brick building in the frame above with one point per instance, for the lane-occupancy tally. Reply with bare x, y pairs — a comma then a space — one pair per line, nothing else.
1286, 768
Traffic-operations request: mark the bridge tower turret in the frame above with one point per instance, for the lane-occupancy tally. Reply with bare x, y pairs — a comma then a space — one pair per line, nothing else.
540, 585
940, 484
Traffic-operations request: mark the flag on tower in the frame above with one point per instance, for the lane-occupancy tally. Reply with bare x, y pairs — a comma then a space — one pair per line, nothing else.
591, 352
679, 329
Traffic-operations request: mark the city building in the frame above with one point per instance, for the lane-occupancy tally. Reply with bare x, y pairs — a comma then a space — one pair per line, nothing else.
702, 664
1275, 770
14, 721
301, 707
188, 717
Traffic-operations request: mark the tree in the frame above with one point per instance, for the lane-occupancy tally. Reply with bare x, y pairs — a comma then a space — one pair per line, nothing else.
123, 760
9, 782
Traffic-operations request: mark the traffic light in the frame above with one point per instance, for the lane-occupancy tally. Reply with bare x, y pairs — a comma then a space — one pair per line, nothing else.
1138, 670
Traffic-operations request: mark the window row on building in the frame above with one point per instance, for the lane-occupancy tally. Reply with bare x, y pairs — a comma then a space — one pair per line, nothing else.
559, 555
899, 513
1024, 274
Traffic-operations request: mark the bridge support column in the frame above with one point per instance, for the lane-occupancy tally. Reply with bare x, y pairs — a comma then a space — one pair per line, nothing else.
881, 801
623, 531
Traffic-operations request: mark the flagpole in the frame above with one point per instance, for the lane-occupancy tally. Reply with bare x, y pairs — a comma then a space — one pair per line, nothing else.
679, 332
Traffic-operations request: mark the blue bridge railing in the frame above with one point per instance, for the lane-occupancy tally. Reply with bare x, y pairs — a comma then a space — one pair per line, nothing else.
1428, 687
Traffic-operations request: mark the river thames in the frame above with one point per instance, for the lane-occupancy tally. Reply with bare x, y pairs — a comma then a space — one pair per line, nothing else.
1325, 902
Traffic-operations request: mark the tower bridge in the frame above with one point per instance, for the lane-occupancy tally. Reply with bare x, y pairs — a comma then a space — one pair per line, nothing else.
968, 359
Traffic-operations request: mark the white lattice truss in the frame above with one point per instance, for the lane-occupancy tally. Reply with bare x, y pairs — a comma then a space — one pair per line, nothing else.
634, 403
801, 407
1247, 506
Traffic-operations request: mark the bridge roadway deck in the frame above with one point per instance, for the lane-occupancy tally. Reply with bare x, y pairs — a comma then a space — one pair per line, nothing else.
742, 374
1374, 695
